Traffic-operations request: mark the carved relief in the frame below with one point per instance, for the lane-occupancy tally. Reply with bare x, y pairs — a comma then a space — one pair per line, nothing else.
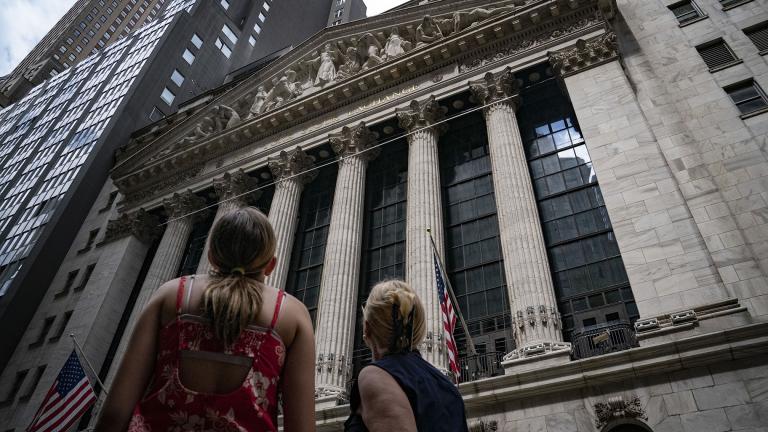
585, 54
427, 113
139, 223
396, 45
616, 408
292, 163
353, 140
427, 32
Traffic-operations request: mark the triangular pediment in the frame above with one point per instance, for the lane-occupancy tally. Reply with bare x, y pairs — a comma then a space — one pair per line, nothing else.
337, 65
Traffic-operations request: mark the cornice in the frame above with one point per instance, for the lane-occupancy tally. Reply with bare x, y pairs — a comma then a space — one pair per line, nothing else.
172, 156
585, 54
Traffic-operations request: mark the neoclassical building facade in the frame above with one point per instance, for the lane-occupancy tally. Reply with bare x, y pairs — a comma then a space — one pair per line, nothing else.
594, 185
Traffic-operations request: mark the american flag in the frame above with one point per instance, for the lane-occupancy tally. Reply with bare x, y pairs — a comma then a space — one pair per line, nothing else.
69, 397
449, 318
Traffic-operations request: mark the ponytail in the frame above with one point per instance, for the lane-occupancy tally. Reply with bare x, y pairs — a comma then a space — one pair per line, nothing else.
395, 316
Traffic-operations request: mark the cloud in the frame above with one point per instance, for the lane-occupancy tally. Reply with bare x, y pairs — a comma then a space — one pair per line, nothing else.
22, 24
376, 7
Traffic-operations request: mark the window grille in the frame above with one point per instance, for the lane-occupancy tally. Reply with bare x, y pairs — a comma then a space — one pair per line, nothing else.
716, 54
686, 12
759, 36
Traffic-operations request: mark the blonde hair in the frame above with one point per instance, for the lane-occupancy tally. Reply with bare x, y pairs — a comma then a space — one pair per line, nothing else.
394, 316
241, 245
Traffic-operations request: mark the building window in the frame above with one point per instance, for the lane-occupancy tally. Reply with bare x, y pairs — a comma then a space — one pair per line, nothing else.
62, 327
257, 28
18, 381
717, 54
473, 259
196, 41
71, 276
338, 13
265, 6
309, 247
384, 244
86, 277
262, 18
251, 40
113, 195
686, 12
167, 96
71, 57
47, 324
193, 252
177, 79
33, 385
223, 48
339, 2
62, 49
748, 97
759, 36
337, 22
587, 269
727, 4
91, 239
224, 4
188, 56
229, 34
70, 41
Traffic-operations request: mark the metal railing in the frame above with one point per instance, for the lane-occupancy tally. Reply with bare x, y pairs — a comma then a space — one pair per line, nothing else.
603, 339
479, 366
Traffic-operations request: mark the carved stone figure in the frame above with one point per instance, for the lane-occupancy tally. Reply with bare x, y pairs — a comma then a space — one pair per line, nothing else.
463, 20
283, 90
395, 45
202, 129
326, 68
225, 117
258, 102
373, 50
427, 32
351, 64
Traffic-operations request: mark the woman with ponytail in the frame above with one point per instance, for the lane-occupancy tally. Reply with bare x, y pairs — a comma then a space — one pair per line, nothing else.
214, 352
400, 391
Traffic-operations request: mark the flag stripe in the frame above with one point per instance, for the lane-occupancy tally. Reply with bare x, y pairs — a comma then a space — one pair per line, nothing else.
449, 317
69, 397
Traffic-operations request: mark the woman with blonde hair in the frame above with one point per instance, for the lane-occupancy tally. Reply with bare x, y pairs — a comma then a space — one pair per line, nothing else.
212, 352
400, 391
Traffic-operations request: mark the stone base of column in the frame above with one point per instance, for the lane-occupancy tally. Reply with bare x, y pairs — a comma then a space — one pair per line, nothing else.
535, 356
328, 396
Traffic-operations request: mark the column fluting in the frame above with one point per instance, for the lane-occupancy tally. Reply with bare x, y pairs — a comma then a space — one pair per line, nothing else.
341, 264
529, 281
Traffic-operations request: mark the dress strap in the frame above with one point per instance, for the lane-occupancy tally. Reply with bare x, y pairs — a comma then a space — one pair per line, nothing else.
180, 295
278, 307
188, 296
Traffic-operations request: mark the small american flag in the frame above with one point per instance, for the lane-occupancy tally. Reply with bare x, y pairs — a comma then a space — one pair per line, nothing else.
449, 318
69, 397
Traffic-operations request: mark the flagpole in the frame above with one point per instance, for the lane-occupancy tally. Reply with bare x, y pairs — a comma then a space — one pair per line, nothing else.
88, 363
457, 308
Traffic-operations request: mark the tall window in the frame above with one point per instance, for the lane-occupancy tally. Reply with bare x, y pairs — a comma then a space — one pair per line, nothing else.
384, 244
591, 283
311, 236
473, 250
195, 245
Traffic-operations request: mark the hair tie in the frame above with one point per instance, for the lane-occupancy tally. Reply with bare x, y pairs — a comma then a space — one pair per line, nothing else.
237, 270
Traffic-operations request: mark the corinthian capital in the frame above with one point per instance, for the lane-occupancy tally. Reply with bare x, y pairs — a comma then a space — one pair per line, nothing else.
237, 187
140, 224
182, 204
292, 163
423, 114
353, 140
585, 54
494, 88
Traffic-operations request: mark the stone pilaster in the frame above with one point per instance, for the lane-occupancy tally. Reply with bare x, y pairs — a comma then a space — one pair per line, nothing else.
529, 280
166, 261
341, 265
425, 212
234, 190
289, 170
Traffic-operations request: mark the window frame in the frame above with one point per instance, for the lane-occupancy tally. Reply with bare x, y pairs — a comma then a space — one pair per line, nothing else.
760, 94
696, 8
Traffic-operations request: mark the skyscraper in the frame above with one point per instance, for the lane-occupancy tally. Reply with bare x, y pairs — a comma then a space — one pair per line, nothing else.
88, 26
57, 144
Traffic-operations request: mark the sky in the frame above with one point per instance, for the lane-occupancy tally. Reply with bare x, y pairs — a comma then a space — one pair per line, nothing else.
24, 22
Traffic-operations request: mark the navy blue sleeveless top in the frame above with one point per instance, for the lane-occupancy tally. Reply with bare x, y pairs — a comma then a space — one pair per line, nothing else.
436, 403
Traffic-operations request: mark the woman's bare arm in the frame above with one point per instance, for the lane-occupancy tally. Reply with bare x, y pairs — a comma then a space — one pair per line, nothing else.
298, 380
135, 370
384, 405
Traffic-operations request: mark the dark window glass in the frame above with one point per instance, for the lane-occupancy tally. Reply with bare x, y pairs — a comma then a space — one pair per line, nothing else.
33, 385
585, 261
47, 324
309, 246
727, 3
473, 258
686, 11
62, 326
384, 243
759, 36
86, 276
193, 253
716, 54
748, 96
71, 276
14, 390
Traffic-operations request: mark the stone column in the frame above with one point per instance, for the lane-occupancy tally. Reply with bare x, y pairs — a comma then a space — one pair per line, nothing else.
234, 191
288, 169
529, 281
341, 265
425, 212
166, 261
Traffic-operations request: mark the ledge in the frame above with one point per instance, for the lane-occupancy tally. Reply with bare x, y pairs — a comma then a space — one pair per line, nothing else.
754, 113
726, 66
693, 21
735, 5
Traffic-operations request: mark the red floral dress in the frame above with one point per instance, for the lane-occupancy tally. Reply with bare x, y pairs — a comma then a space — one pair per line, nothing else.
169, 406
